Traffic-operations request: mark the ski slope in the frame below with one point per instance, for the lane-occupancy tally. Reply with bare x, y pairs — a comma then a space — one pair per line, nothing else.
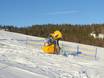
21, 57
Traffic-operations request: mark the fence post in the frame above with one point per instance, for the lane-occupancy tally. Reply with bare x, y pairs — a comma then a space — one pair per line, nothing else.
96, 54
77, 49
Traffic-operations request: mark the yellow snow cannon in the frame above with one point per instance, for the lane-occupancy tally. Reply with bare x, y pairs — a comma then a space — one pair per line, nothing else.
50, 49
51, 45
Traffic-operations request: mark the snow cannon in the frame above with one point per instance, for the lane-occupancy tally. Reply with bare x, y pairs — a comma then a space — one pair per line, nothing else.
49, 49
51, 44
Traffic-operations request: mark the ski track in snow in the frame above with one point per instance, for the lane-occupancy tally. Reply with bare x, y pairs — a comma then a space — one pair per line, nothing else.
24, 59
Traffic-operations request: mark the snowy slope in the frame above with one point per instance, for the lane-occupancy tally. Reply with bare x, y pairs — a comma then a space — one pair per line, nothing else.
21, 57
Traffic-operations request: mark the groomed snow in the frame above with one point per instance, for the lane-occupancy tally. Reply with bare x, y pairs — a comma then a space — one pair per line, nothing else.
21, 57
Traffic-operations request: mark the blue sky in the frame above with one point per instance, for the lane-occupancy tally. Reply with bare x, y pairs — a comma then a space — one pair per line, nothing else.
29, 12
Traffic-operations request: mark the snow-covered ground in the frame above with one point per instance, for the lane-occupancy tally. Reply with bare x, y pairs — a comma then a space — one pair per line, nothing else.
21, 57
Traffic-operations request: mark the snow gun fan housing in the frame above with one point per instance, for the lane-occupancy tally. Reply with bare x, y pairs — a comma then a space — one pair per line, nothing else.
56, 35
51, 46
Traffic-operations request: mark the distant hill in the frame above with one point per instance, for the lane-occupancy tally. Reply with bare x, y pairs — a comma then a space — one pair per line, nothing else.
72, 33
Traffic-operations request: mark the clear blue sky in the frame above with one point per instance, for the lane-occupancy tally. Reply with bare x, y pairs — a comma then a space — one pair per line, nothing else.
29, 12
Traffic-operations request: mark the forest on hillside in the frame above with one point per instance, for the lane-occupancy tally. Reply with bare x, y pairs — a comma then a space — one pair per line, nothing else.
72, 33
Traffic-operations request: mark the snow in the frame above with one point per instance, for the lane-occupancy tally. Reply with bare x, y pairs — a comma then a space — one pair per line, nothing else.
21, 57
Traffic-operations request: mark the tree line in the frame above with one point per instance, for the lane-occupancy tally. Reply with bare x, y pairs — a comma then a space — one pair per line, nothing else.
73, 33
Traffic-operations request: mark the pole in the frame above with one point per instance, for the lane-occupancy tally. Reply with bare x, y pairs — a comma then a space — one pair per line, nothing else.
96, 54
77, 50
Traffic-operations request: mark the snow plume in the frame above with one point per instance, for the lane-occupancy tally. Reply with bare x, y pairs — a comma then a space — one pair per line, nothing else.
63, 12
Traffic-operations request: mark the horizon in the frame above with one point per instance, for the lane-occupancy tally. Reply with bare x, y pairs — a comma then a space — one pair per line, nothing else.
55, 24
32, 12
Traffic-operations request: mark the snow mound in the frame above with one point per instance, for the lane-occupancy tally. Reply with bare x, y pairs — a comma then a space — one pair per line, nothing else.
21, 57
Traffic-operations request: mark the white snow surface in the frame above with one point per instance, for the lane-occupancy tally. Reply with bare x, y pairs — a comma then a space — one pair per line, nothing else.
21, 57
